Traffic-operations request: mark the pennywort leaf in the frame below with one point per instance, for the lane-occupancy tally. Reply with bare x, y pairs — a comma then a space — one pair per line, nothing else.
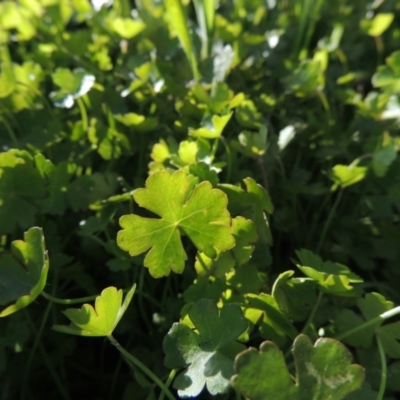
207, 353
199, 213
100, 320
323, 372
23, 271
333, 278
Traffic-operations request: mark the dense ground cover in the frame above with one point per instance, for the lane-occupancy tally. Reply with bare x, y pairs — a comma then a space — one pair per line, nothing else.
218, 184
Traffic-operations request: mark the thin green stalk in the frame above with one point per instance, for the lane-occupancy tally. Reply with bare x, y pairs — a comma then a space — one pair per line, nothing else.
237, 395
83, 112
324, 101
316, 217
171, 377
142, 367
382, 386
378, 319
11, 133
380, 48
229, 159
68, 301
329, 219
312, 313
98, 240
314, 15
306, 6
260, 163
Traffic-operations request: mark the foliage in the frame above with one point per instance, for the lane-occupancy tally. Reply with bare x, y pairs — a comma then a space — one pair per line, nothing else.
232, 163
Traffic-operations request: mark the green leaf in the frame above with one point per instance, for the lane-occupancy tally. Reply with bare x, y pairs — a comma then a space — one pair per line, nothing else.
127, 28
7, 79
21, 190
252, 144
387, 77
307, 78
207, 353
245, 236
211, 126
254, 203
383, 158
379, 24
295, 296
138, 121
248, 116
100, 320
263, 310
200, 213
73, 84
323, 372
347, 175
23, 271
333, 278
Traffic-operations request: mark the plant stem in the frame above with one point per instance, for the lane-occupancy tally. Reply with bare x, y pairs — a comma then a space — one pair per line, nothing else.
312, 313
382, 386
371, 322
84, 117
143, 368
260, 163
68, 301
229, 158
329, 219
37, 345
11, 133
171, 377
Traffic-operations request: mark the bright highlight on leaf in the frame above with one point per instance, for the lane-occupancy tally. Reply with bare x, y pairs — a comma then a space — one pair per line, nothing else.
100, 320
323, 372
199, 213
73, 84
23, 271
209, 351
347, 175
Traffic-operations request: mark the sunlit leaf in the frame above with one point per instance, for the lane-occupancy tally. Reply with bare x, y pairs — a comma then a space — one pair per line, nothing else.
23, 271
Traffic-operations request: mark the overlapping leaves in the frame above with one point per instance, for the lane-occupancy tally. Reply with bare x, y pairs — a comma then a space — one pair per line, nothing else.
207, 353
323, 372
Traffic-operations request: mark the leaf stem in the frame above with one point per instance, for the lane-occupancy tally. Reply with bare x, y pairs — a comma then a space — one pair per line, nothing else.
329, 219
171, 377
371, 322
141, 366
229, 158
312, 313
68, 301
11, 133
382, 386
83, 112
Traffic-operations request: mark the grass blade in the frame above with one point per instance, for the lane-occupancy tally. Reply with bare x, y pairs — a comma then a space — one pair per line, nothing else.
205, 11
176, 14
